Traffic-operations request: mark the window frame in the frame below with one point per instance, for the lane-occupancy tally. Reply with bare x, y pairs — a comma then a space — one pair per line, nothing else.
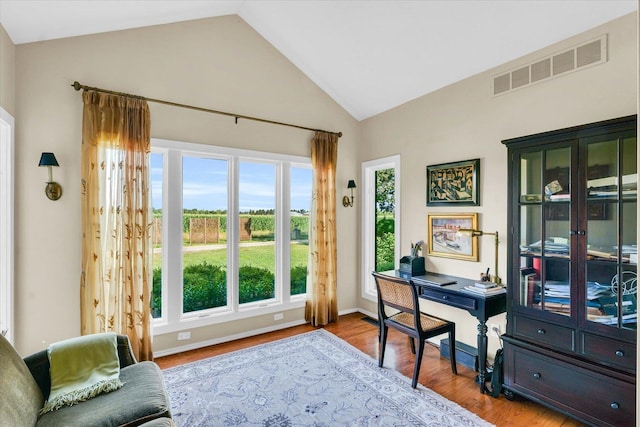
173, 319
7, 189
369, 169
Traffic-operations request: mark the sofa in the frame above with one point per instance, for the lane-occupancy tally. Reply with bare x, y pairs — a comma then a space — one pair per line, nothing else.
25, 386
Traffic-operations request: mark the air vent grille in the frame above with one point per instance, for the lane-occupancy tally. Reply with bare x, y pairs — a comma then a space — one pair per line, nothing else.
541, 70
593, 52
520, 77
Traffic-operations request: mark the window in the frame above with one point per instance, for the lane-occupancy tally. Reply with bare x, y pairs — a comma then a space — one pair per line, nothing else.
204, 247
300, 191
381, 213
6, 224
230, 233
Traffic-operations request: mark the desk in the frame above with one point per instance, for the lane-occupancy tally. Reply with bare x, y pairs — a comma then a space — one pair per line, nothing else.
479, 306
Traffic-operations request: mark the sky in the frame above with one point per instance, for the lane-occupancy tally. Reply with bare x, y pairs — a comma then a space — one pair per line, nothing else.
205, 184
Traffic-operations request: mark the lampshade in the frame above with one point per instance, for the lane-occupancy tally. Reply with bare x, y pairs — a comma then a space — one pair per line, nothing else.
469, 232
48, 159
351, 184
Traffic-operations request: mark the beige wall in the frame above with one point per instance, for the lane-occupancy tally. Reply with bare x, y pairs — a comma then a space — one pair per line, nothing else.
218, 63
7, 72
222, 63
464, 121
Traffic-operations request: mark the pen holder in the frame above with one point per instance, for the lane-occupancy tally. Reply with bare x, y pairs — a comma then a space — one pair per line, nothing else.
411, 266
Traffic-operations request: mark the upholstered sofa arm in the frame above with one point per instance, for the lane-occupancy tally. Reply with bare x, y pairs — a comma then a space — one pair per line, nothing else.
38, 364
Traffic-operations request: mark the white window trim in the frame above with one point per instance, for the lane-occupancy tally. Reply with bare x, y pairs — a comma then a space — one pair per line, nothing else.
368, 288
6, 223
173, 319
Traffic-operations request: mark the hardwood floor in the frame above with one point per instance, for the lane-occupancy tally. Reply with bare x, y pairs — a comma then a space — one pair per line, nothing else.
435, 372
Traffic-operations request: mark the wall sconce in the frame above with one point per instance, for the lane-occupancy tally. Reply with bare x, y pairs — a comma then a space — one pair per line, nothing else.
345, 200
475, 233
53, 190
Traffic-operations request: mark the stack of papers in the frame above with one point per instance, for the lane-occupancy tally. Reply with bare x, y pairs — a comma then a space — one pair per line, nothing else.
558, 289
612, 320
550, 246
485, 288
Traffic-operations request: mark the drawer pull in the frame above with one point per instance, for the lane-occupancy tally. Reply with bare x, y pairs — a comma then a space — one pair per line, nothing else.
537, 375
615, 405
541, 331
620, 353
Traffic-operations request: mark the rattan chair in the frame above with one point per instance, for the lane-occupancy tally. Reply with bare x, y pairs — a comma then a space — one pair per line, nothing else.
402, 296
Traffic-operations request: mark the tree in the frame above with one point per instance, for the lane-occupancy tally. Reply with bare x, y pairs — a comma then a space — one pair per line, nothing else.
385, 190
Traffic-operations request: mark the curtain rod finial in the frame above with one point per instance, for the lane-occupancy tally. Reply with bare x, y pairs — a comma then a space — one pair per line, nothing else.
76, 85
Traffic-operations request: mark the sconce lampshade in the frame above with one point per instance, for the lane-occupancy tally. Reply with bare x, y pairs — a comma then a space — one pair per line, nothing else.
53, 190
346, 202
48, 159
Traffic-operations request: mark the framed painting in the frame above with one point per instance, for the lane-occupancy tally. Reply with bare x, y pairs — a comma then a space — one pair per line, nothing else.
444, 239
455, 183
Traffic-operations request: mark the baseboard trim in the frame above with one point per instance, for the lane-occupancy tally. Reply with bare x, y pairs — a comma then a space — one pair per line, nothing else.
247, 334
207, 343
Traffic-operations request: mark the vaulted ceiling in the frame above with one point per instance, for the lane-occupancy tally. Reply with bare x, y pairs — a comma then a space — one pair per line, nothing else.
370, 56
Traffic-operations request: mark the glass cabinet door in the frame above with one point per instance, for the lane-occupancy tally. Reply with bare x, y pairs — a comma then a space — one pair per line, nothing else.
545, 214
611, 232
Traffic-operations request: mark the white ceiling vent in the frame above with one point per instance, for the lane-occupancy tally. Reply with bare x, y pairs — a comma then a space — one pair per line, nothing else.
593, 52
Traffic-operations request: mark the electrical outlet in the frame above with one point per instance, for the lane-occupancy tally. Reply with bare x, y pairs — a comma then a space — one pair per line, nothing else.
184, 336
278, 316
495, 328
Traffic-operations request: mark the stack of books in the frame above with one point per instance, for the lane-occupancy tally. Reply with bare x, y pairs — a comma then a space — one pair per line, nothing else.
485, 288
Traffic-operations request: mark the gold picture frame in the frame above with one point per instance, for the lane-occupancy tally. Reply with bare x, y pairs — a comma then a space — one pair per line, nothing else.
444, 239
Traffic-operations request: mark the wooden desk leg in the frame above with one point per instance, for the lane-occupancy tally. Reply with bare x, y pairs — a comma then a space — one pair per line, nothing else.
482, 354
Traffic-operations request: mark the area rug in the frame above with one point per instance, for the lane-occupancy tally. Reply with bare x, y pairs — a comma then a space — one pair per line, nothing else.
313, 379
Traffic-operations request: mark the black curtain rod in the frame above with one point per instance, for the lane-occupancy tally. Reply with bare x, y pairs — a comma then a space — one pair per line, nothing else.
77, 86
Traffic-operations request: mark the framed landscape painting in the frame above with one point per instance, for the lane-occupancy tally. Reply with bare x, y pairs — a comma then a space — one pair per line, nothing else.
455, 183
444, 240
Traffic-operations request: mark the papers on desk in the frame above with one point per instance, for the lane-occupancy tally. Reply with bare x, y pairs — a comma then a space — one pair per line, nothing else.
485, 288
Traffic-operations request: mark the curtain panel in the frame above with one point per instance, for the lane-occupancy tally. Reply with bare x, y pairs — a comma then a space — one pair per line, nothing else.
322, 305
116, 279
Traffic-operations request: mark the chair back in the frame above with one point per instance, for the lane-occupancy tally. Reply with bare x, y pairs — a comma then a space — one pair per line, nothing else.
397, 293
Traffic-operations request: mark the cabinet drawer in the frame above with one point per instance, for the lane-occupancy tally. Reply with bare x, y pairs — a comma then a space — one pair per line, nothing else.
609, 352
449, 299
586, 394
544, 333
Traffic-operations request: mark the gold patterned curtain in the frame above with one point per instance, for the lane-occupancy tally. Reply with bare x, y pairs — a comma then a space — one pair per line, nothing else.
116, 277
322, 305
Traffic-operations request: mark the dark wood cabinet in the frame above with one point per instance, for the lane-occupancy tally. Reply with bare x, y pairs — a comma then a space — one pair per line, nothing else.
572, 279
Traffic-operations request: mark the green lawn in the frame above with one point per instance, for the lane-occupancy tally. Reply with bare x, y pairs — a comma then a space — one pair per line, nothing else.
255, 256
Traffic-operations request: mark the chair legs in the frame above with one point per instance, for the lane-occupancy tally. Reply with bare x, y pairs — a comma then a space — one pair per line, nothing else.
416, 366
382, 342
383, 332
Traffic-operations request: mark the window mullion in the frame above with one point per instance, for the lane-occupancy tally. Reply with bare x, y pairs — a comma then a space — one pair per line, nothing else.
172, 234
233, 235
283, 232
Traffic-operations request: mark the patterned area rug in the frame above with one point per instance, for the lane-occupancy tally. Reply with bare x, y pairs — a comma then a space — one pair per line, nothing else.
314, 379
